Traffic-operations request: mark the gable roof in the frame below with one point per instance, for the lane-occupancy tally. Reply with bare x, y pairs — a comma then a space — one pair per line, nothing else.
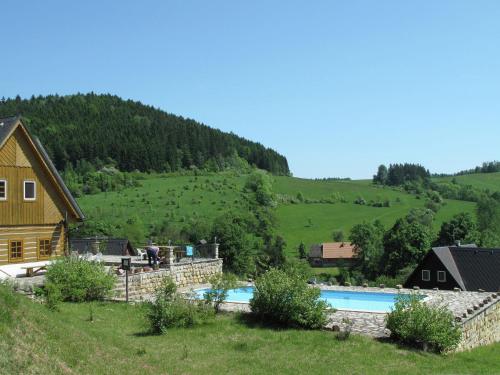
338, 250
7, 127
315, 251
471, 267
479, 268
333, 250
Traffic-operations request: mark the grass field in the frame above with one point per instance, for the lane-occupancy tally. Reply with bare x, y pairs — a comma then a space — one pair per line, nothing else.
181, 198
34, 340
490, 181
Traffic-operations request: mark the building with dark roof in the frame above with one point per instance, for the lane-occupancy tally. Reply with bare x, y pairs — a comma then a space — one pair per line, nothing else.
108, 246
35, 204
466, 267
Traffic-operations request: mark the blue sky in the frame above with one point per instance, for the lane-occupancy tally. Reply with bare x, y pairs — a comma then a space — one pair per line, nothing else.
336, 86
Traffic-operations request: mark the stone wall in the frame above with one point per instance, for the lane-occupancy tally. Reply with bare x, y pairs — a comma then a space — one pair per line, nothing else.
481, 329
142, 285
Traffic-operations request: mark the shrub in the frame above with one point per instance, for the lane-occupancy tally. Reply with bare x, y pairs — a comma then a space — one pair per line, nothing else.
285, 298
416, 323
79, 280
169, 309
220, 283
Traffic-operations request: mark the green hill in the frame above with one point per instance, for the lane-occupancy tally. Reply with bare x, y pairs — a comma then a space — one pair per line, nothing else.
136, 136
181, 199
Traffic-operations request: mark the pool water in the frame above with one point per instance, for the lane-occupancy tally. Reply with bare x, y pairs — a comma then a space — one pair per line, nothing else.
341, 300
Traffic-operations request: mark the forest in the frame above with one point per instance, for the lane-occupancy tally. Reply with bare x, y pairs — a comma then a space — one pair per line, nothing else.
135, 136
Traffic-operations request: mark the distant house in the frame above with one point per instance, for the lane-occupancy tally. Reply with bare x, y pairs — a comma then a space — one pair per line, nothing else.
466, 267
332, 254
108, 246
35, 204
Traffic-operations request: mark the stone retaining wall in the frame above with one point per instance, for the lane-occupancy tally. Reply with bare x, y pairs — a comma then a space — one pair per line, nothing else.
481, 329
142, 285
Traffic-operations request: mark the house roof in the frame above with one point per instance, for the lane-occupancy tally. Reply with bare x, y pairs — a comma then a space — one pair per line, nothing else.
472, 267
7, 127
315, 251
333, 250
114, 246
479, 268
338, 250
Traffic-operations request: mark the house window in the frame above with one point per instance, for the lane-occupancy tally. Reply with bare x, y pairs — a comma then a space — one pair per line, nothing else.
15, 250
29, 190
426, 275
441, 276
3, 190
44, 248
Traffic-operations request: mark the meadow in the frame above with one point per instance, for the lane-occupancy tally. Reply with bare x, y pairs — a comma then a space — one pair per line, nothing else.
327, 205
113, 339
485, 181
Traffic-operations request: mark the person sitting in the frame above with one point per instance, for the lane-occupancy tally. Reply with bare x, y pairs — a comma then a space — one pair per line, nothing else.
152, 252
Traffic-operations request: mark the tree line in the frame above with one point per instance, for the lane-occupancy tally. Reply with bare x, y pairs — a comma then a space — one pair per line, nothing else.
136, 136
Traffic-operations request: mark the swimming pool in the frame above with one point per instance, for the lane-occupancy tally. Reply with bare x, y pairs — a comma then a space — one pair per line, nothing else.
341, 300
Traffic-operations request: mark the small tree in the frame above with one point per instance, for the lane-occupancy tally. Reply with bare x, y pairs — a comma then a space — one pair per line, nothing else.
338, 235
302, 251
414, 322
285, 298
220, 284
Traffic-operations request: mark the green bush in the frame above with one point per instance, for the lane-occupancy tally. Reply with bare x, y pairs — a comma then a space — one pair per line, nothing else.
285, 298
416, 323
220, 284
170, 310
79, 280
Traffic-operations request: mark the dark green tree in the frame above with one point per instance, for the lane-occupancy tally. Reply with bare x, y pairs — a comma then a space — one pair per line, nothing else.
302, 251
368, 240
405, 243
381, 176
462, 227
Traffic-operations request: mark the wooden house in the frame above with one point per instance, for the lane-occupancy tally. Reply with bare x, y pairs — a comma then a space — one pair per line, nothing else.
35, 204
465, 267
332, 254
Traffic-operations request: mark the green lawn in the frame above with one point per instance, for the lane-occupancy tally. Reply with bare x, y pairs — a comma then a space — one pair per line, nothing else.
38, 341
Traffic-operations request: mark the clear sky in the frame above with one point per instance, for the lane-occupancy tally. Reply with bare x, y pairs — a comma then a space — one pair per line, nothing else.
338, 87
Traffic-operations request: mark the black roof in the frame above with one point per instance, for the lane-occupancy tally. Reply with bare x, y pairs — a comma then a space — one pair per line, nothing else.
472, 267
7, 125
114, 246
316, 251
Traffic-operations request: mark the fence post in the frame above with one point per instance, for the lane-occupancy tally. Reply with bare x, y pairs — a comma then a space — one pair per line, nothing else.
216, 249
170, 254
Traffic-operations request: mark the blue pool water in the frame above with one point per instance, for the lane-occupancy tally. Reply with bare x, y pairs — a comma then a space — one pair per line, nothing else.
341, 300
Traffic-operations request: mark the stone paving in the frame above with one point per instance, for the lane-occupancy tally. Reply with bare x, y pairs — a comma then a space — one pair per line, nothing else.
463, 305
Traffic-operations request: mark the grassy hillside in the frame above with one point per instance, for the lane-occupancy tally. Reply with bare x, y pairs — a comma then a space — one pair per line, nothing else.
490, 181
312, 223
182, 198
34, 340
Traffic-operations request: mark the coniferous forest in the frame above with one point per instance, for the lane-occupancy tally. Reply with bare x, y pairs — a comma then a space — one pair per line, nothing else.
136, 136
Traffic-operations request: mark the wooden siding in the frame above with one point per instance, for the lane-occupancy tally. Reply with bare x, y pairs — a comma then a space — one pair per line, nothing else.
48, 208
30, 235
8, 153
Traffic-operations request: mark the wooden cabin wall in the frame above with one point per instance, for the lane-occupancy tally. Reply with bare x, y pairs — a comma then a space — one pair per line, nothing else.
18, 162
31, 235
